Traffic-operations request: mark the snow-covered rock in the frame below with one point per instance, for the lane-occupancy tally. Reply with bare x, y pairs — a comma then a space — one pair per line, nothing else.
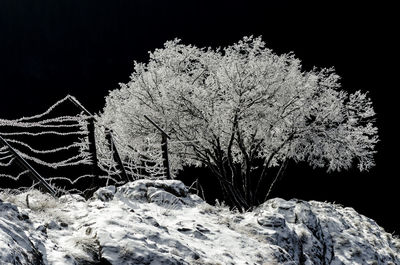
322, 233
16, 246
104, 194
159, 222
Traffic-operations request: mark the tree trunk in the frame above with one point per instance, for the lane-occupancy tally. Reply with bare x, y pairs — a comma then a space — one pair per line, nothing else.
231, 193
281, 170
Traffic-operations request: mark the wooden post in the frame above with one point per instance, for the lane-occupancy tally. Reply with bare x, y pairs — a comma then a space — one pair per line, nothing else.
116, 156
93, 153
35, 175
91, 135
164, 147
92, 143
92, 146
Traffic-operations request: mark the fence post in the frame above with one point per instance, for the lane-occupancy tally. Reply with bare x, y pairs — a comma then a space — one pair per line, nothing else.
114, 150
93, 152
164, 147
26, 165
92, 146
92, 142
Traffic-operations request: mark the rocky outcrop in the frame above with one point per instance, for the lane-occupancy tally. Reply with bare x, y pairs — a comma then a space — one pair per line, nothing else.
322, 233
159, 222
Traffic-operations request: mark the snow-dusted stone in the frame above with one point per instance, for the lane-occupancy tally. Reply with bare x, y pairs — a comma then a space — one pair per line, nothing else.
53, 225
272, 221
15, 245
170, 193
161, 197
105, 194
136, 190
71, 198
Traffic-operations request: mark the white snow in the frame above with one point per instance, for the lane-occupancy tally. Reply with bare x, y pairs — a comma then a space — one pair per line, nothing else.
159, 222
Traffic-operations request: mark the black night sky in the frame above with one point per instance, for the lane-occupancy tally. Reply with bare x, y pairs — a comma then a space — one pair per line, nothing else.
85, 48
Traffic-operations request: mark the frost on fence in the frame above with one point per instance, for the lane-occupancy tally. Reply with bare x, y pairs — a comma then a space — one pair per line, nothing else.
55, 144
143, 162
58, 147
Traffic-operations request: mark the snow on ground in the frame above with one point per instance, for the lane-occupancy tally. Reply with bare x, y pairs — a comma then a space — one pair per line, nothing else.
158, 222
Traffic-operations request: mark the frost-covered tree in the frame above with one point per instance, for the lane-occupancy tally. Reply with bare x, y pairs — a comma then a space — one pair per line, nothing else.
242, 111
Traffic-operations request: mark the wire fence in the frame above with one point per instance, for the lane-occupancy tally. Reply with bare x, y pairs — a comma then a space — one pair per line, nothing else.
71, 152
138, 164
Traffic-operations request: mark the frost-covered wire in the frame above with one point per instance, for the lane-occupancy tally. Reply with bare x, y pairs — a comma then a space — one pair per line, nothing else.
146, 163
7, 163
73, 181
137, 164
16, 178
58, 123
5, 157
43, 133
43, 125
42, 114
63, 163
3, 149
55, 150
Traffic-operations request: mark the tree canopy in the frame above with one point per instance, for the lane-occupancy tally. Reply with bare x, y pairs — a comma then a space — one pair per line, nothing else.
241, 111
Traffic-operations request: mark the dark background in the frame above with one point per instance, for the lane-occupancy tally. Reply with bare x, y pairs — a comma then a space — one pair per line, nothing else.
85, 48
